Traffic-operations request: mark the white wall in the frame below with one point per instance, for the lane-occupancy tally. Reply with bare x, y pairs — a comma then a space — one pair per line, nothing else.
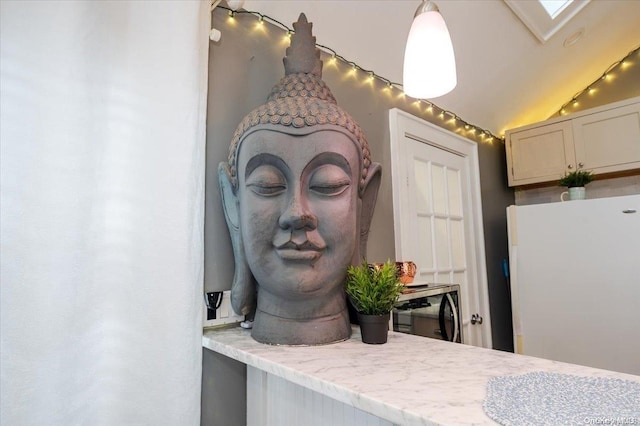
102, 162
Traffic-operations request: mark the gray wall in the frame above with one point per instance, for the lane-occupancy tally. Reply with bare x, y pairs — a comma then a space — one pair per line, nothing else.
496, 196
243, 68
623, 84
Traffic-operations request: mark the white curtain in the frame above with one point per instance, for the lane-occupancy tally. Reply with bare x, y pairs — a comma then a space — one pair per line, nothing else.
103, 109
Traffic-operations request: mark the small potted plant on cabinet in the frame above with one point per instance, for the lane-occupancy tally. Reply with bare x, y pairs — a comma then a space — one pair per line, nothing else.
373, 290
576, 182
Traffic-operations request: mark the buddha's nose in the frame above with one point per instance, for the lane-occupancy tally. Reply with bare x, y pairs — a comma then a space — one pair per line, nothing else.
297, 216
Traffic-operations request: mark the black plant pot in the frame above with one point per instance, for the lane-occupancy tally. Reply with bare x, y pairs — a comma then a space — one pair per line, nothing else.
374, 328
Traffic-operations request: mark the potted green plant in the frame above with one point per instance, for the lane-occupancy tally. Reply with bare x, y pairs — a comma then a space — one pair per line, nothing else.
576, 182
373, 290
576, 179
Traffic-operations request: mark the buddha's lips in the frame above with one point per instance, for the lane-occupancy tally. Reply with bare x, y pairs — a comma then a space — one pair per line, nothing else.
305, 246
305, 252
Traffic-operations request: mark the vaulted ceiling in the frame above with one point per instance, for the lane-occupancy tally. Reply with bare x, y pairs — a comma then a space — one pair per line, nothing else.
506, 76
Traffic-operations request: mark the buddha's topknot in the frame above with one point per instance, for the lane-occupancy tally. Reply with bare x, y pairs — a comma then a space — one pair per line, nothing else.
300, 99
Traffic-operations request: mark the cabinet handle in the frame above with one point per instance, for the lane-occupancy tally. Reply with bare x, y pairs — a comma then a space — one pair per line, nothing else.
570, 166
580, 165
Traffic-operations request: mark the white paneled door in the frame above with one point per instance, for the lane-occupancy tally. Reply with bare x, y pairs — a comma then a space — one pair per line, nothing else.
436, 213
437, 217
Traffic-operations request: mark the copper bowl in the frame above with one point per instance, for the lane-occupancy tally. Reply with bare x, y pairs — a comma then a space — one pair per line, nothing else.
405, 271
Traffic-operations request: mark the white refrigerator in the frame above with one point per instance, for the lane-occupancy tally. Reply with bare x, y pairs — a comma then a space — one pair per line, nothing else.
575, 281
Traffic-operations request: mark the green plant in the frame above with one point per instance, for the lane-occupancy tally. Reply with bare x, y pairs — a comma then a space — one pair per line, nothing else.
577, 178
373, 290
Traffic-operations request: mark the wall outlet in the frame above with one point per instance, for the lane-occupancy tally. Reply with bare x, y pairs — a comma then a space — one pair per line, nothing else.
223, 315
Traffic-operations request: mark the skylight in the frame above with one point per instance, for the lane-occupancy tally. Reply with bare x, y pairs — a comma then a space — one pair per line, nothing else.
545, 17
554, 7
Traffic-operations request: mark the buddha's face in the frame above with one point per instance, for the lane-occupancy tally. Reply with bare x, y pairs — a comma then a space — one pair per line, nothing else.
298, 198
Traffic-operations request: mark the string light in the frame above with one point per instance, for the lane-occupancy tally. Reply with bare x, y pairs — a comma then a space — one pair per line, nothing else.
389, 85
608, 74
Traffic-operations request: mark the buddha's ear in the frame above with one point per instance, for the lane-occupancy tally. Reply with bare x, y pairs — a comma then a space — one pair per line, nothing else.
243, 288
368, 199
229, 199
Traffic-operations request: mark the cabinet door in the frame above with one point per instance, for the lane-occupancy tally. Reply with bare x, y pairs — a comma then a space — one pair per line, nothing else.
540, 154
608, 141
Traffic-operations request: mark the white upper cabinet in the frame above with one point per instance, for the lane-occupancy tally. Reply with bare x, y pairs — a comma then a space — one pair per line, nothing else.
603, 140
608, 141
539, 154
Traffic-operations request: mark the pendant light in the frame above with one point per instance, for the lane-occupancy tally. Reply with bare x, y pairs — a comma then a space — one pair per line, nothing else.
429, 63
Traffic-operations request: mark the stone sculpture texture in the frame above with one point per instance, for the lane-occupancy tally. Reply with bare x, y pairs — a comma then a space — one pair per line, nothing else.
298, 191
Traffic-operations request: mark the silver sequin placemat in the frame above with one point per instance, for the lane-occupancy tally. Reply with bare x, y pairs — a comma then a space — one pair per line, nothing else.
542, 398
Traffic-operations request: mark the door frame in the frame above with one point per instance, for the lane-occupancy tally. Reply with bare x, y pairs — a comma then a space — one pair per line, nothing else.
402, 124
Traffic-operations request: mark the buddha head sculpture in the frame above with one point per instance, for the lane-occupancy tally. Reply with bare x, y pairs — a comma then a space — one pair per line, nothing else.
298, 192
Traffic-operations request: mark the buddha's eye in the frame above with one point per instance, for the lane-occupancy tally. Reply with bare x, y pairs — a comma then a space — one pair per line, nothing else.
266, 181
329, 180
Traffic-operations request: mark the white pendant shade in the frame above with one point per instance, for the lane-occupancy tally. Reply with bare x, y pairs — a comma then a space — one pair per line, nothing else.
429, 63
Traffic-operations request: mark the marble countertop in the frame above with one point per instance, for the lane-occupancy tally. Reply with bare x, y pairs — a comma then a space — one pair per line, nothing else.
410, 380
